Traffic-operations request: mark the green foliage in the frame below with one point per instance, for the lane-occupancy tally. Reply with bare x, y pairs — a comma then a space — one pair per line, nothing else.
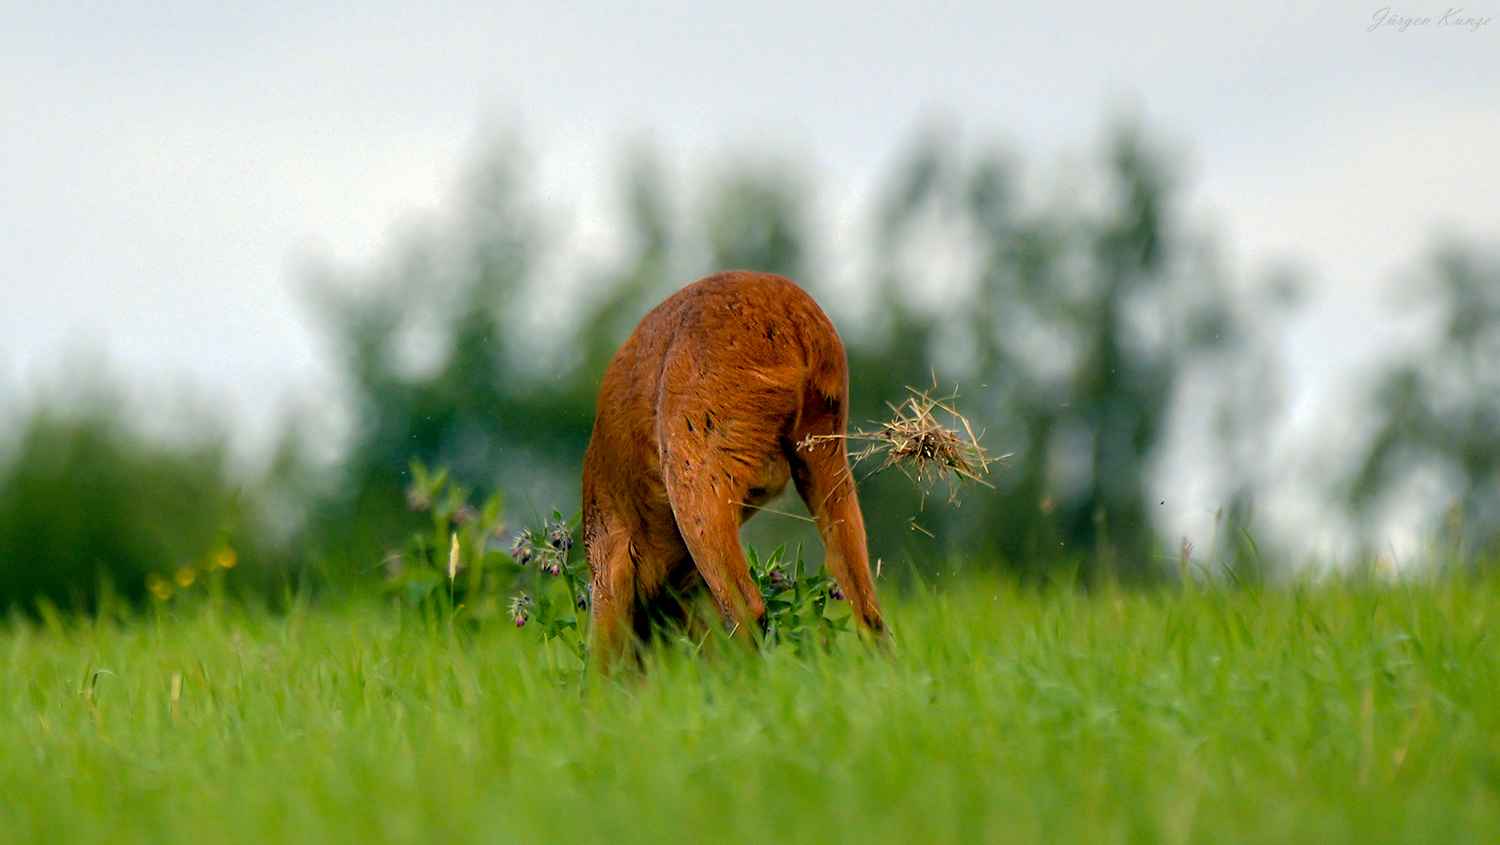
452, 566
1342, 712
557, 595
455, 571
757, 222
92, 511
797, 601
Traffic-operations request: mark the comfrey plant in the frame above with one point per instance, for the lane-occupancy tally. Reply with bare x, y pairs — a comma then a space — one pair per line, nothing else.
797, 601
457, 566
554, 596
552, 586
462, 568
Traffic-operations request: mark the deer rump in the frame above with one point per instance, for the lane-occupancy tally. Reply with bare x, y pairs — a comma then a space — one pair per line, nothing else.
699, 419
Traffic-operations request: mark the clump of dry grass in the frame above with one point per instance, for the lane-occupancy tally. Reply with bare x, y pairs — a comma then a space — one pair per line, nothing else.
924, 449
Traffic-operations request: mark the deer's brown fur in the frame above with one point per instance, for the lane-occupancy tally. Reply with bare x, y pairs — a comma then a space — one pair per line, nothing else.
699, 419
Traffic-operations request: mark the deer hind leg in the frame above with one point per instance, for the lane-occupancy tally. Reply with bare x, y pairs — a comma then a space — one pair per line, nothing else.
708, 511
826, 484
631, 569
613, 607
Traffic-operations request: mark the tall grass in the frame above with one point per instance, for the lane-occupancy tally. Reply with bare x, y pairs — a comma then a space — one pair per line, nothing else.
1343, 712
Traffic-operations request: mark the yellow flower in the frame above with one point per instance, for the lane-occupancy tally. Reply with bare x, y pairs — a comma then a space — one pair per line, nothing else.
158, 587
226, 558
185, 576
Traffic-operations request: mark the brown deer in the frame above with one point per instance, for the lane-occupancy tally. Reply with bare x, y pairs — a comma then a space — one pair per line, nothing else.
700, 418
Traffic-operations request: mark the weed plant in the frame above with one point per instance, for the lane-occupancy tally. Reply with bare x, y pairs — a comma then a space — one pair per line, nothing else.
456, 571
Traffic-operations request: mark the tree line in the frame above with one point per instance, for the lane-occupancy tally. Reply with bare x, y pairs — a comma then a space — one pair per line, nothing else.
1068, 319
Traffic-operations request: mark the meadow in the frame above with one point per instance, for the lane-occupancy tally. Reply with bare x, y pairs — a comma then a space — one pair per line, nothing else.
1342, 711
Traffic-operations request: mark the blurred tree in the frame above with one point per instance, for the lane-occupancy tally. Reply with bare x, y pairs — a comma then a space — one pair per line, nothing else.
1238, 363
1066, 338
86, 503
1066, 330
756, 221
619, 298
432, 351
1439, 411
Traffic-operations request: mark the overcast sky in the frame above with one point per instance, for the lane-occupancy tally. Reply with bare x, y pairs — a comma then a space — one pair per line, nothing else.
163, 164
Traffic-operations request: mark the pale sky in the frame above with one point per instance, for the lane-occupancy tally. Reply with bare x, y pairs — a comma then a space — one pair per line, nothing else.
163, 165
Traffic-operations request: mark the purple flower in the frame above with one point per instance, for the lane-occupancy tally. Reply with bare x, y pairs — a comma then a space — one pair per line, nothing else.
520, 608
521, 551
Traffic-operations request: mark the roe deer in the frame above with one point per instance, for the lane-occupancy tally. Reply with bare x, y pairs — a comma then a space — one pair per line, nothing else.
699, 420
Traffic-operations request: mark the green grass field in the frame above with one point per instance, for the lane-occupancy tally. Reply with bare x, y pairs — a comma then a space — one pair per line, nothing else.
1339, 712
